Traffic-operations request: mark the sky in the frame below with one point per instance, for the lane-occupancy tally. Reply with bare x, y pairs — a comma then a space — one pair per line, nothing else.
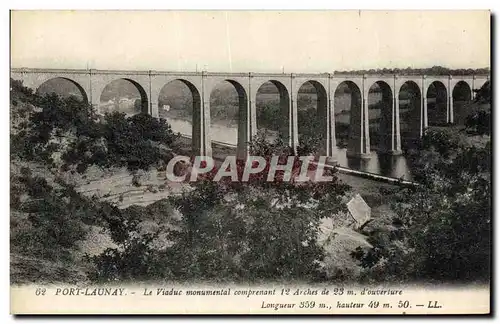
249, 41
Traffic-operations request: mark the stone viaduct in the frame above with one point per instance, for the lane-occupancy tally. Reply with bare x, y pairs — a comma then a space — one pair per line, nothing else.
91, 84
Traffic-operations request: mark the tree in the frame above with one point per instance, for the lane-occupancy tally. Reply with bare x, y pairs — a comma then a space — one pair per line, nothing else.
480, 121
483, 95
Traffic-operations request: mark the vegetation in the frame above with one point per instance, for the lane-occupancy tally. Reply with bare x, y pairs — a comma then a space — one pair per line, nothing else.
483, 95
479, 122
53, 217
235, 231
435, 70
443, 229
238, 231
269, 116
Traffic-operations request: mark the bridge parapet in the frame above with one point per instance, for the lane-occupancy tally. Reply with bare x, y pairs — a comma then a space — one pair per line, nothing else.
47, 71
242, 74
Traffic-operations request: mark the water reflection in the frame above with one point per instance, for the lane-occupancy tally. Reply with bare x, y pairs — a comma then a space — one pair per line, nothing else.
394, 166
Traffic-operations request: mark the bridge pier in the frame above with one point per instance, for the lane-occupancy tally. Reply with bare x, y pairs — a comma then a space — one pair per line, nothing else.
423, 107
423, 95
359, 137
293, 125
244, 128
426, 119
251, 123
390, 141
205, 146
366, 128
331, 140
95, 105
423, 122
154, 109
449, 114
396, 128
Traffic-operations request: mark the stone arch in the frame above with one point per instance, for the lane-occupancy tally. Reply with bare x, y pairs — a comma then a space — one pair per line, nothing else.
82, 91
437, 104
236, 120
461, 96
312, 113
410, 112
186, 119
276, 120
381, 116
349, 122
139, 106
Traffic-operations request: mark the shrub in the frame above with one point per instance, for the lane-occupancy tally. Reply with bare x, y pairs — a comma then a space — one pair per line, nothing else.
479, 122
443, 232
137, 256
135, 259
54, 222
269, 116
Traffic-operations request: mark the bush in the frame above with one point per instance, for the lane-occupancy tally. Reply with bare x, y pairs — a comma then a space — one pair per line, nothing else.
138, 142
483, 95
443, 232
54, 221
269, 116
479, 122
135, 259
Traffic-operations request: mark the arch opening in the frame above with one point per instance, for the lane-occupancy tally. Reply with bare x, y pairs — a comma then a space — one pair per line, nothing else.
381, 119
437, 104
312, 117
228, 115
63, 87
348, 113
123, 95
410, 112
179, 103
273, 111
461, 96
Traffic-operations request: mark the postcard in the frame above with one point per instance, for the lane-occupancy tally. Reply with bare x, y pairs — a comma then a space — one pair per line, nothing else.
250, 162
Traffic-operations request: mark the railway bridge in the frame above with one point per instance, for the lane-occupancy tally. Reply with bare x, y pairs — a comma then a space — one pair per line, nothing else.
412, 90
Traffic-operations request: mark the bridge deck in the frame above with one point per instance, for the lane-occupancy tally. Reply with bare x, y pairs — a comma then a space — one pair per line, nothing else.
232, 74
